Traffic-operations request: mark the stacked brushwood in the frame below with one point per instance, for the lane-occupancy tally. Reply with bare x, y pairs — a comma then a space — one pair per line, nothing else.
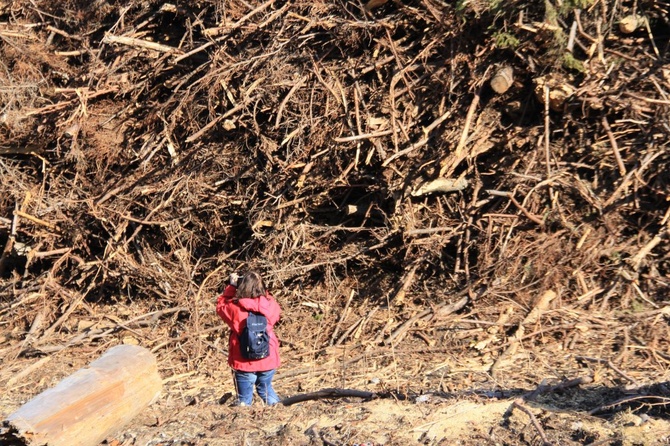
411, 157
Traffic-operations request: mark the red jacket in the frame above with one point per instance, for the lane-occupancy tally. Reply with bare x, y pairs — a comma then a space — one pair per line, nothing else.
235, 313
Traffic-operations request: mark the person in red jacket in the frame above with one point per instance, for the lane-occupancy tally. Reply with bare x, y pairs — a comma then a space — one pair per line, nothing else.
233, 306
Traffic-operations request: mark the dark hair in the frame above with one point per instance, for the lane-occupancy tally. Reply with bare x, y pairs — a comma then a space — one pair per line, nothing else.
251, 285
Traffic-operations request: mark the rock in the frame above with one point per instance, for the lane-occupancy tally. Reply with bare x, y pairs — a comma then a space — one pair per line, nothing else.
632, 22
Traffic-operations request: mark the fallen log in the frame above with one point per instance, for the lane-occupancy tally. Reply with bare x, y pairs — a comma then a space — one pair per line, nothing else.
89, 405
327, 393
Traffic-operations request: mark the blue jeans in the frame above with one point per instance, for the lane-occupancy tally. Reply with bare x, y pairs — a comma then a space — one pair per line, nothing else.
245, 382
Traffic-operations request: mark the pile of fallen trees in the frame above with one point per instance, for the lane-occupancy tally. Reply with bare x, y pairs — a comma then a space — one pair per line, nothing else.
410, 157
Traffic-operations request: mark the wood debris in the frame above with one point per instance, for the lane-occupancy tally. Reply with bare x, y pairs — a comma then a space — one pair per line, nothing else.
356, 154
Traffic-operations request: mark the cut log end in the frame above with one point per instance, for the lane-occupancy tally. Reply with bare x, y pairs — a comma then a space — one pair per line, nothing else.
502, 80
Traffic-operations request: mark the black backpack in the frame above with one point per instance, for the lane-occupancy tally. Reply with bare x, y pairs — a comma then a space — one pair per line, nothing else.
254, 339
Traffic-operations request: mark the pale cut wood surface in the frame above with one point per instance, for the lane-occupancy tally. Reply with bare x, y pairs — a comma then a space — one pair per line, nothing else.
91, 404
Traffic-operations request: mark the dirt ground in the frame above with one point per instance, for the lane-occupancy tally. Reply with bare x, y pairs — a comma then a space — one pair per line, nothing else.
429, 419
448, 402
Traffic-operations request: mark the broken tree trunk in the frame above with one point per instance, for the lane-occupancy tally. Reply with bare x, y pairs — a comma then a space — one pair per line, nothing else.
327, 393
94, 402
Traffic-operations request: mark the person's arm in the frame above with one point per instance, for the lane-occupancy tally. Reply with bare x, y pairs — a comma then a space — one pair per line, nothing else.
225, 306
230, 291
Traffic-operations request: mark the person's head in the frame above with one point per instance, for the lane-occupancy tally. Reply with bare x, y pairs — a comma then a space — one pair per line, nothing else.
250, 285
